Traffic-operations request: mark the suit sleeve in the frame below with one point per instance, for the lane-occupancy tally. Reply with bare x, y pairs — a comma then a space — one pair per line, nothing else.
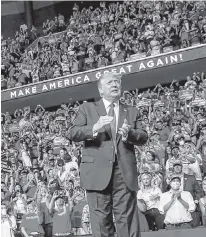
197, 190
137, 135
80, 131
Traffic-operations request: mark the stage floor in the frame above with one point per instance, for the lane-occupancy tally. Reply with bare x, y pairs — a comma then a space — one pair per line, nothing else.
197, 232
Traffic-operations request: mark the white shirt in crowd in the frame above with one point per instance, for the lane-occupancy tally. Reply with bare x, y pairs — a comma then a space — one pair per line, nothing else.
7, 229
146, 195
62, 176
190, 169
177, 213
71, 164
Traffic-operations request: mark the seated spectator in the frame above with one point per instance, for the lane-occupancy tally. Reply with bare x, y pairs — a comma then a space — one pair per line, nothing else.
151, 196
177, 206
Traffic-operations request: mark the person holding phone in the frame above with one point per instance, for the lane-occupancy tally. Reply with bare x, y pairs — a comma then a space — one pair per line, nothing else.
61, 215
30, 185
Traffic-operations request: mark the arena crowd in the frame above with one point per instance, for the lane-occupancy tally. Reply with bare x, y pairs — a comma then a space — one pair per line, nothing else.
97, 37
41, 194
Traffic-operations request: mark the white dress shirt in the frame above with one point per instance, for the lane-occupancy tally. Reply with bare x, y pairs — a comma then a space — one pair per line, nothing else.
62, 176
116, 109
177, 213
146, 196
71, 164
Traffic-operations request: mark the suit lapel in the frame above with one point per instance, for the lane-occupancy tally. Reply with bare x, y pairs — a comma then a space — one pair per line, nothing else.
122, 117
102, 112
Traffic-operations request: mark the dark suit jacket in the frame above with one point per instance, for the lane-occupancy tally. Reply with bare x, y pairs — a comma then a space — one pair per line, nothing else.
98, 153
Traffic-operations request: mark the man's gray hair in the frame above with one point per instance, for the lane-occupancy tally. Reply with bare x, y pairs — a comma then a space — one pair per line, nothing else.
108, 74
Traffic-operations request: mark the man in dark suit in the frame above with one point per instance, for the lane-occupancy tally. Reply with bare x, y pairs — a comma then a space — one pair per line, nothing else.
108, 167
190, 184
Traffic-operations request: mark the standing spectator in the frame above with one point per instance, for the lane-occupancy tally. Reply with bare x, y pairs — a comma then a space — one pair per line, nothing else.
6, 192
151, 196
61, 216
86, 224
189, 184
201, 145
43, 199
62, 173
202, 203
8, 222
81, 55
71, 164
29, 184
64, 155
25, 154
32, 221
79, 227
19, 201
177, 206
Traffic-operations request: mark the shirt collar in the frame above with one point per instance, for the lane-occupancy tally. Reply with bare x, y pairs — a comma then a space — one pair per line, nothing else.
107, 103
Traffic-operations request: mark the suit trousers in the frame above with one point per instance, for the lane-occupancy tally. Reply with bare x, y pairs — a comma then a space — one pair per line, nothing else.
116, 199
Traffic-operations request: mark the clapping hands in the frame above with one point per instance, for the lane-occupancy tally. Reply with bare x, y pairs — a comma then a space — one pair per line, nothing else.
178, 195
124, 130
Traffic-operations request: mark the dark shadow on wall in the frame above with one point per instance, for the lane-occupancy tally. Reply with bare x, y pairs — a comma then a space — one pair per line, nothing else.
11, 23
